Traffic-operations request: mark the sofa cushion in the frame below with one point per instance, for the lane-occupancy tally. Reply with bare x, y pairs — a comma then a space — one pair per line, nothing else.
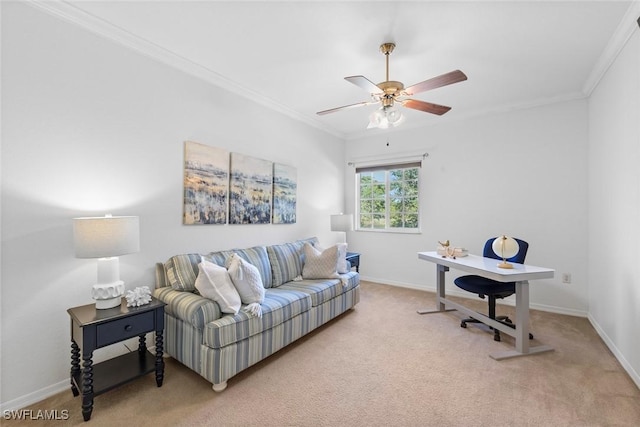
324, 290
350, 280
313, 241
279, 306
286, 261
219, 257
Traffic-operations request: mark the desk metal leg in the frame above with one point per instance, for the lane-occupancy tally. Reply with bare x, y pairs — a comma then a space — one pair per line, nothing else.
522, 327
522, 317
440, 294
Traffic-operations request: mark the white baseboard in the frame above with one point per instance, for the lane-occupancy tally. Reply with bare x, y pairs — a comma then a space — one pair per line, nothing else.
462, 294
36, 396
625, 364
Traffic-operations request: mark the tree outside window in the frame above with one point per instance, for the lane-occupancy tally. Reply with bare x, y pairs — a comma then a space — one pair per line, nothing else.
388, 198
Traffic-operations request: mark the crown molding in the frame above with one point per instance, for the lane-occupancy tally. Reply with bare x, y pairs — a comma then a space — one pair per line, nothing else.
105, 29
618, 40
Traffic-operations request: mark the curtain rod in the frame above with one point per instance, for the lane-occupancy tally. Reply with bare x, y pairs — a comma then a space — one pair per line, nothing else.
389, 159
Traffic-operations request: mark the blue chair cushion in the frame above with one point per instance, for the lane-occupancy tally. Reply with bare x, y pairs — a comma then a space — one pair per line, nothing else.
483, 286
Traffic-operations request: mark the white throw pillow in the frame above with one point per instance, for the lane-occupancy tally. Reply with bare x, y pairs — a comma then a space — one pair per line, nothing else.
320, 264
343, 265
213, 282
247, 280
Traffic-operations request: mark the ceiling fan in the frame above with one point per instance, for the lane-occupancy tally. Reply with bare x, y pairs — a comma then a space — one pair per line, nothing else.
389, 92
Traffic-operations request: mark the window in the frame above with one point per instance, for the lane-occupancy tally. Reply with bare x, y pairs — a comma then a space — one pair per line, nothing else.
388, 197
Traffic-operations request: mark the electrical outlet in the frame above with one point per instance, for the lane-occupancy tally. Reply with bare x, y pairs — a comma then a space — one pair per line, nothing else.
566, 277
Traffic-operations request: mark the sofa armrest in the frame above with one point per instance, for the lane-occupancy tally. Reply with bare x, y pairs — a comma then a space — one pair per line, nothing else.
188, 307
161, 276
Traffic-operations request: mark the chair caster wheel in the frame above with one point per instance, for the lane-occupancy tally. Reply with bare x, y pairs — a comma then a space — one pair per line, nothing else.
496, 337
463, 324
530, 336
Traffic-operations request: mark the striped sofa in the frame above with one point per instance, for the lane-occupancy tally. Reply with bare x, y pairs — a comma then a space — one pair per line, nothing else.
218, 345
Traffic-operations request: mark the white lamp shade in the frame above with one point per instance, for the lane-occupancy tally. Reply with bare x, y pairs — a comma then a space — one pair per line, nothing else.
103, 237
505, 247
342, 222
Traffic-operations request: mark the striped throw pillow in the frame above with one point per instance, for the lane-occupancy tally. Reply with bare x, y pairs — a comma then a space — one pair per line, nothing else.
286, 262
182, 271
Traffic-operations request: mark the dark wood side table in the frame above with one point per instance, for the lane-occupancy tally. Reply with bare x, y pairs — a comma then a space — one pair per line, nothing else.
354, 259
92, 329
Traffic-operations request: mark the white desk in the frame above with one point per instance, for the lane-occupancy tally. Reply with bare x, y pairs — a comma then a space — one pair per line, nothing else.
488, 267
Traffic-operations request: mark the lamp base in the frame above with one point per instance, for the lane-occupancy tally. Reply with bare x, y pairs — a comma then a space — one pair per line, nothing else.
108, 295
505, 264
103, 304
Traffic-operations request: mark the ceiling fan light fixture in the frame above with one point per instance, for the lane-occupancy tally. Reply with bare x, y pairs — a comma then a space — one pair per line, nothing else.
377, 119
385, 117
394, 116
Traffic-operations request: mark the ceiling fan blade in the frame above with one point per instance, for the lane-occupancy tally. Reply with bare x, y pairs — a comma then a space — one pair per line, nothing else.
364, 83
345, 107
436, 82
427, 107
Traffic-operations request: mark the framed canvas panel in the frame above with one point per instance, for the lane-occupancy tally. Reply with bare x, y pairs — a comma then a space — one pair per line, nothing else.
206, 184
285, 187
250, 190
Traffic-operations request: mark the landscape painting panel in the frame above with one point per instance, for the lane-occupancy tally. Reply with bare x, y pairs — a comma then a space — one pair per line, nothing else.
285, 188
250, 192
206, 184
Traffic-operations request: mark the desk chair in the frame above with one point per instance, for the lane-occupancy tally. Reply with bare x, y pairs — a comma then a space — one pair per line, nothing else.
491, 288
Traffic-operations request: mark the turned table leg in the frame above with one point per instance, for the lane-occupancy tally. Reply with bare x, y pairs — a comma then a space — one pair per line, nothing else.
87, 386
75, 366
142, 344
159, 359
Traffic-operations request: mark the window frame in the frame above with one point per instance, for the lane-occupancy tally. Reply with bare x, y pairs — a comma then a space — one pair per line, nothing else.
387, 168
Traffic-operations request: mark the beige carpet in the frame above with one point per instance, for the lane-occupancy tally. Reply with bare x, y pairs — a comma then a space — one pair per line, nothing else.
382, 364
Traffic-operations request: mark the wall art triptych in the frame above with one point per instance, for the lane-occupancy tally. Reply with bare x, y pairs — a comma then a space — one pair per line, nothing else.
222, 187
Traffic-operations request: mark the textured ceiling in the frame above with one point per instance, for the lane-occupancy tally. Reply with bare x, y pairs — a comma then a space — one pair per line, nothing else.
293, 56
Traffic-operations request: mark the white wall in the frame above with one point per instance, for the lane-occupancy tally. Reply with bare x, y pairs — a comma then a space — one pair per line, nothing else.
90, 127
522, 173
614, 207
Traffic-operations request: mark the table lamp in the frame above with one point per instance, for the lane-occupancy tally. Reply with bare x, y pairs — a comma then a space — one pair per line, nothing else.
505, 247
106, 238
342, 222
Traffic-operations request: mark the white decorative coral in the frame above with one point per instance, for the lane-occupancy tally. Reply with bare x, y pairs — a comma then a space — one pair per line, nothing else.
139, 296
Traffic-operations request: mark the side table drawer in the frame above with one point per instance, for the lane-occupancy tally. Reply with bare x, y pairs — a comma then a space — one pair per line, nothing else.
119, 330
